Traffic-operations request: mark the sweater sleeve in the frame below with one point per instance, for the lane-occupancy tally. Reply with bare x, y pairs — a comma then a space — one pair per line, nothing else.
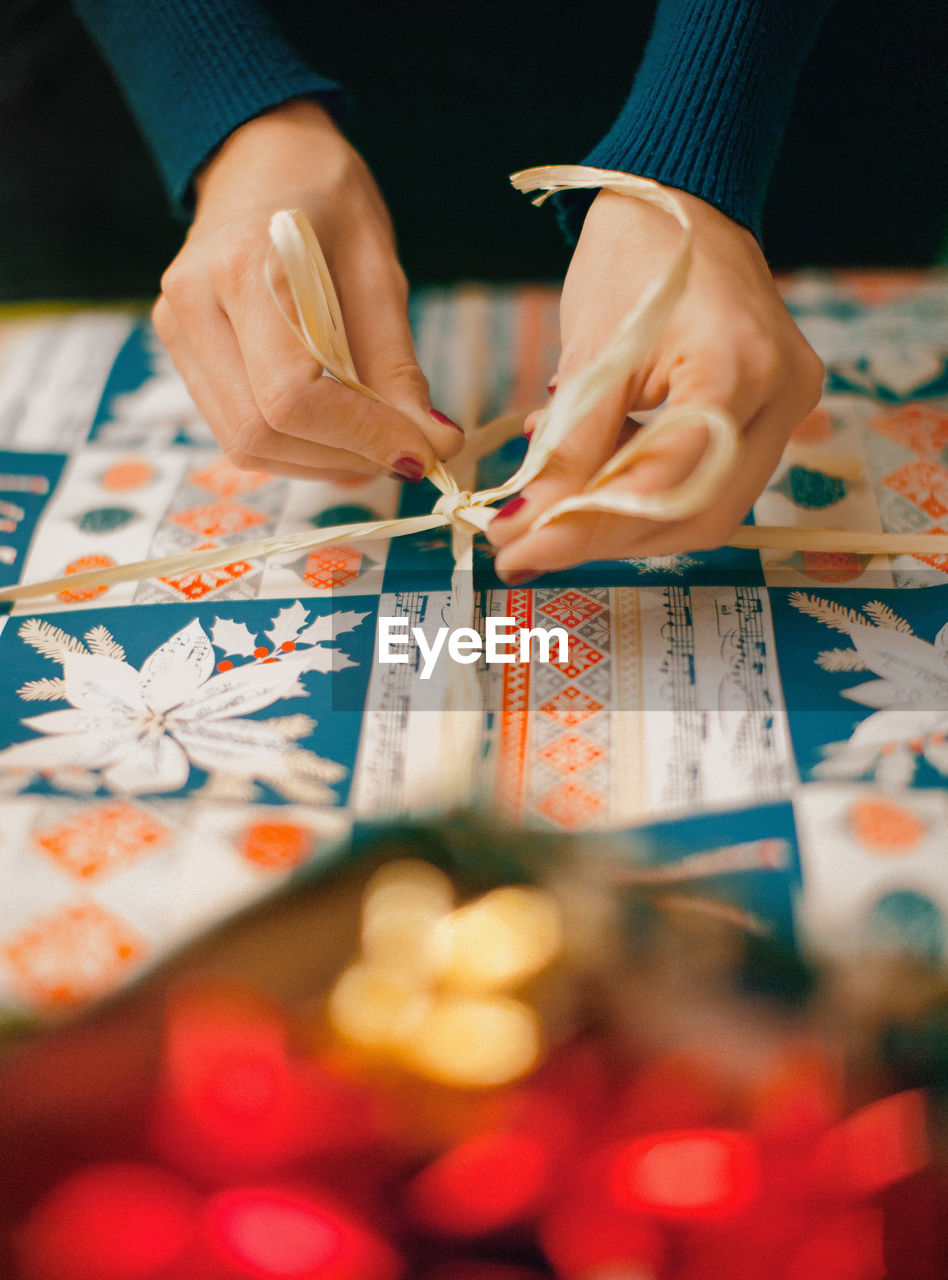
192, 71
710, 102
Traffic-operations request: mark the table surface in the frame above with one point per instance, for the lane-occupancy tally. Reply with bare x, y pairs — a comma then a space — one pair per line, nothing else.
768, 729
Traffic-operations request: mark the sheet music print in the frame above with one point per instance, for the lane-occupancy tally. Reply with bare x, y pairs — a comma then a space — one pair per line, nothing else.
52, 372
398, 753
715, 729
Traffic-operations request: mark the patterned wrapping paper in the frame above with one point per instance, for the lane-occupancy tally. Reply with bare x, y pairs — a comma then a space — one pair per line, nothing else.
766, 729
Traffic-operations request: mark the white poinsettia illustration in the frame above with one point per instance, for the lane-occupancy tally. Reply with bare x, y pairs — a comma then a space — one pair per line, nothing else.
910, 693
140, 731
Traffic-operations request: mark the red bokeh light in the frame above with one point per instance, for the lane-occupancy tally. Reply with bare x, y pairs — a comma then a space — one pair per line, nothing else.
273, 1234
117, 1221
485, 1183
588, 1237
697, 1173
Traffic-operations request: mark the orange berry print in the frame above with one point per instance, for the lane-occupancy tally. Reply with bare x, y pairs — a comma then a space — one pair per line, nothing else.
75, 595
127, 475
277, 846
884, 827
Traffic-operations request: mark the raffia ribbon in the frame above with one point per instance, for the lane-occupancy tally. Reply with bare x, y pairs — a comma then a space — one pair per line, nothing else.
319, 325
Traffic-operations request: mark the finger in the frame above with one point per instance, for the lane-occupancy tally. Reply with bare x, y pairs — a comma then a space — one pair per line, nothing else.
277, 454
263, 355
569, 469
716, 379
374, 301
578, 537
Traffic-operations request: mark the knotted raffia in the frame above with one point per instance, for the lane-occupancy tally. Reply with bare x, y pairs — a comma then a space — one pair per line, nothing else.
319, 325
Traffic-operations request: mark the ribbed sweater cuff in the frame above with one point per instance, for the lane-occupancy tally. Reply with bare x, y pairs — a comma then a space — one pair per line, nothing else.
710, 103
192, 71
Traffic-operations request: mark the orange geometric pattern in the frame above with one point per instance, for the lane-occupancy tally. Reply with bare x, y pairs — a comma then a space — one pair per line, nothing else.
571, 753
277, 846
225, 480
75, 955
925, 484
936, 562
918, 427
127, 475
102, 839
201, 582
332, 567
571, 706
75, 595
884, 827
217, 519
515, 712
571, 805
582, 656
571, 608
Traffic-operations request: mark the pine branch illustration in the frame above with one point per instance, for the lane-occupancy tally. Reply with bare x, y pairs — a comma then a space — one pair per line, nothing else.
831, 614
840, 660
883, 616
101, 641
48, 640
300, 763
45, 690
292, 727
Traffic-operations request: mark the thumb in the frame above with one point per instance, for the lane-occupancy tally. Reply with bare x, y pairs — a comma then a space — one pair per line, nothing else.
382, 348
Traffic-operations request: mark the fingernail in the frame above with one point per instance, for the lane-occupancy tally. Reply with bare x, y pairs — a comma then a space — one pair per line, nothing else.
528, 435
511, 508
408, 468
551, 386
444, 419
520, 576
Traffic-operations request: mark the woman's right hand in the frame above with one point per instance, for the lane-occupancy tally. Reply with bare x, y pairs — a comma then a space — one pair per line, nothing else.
258, 387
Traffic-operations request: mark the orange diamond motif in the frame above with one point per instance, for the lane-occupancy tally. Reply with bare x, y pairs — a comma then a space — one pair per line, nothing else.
582, 656
571, 753
924, 483
102, 839
570, 805
936, 562
278, 846
72, 956
571, 706
227, 481
570, 608
217, 519
193, 586
332, 567
918, 427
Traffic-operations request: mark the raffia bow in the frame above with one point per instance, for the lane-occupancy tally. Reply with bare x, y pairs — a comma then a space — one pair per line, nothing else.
318, 323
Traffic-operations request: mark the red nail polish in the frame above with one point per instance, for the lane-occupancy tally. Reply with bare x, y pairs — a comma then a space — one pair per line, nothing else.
409, 468
528, 435
551, 386
511, 508
444, 419
519, 576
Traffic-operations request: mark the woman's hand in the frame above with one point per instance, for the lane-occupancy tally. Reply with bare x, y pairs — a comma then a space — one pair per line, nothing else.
253, 380
730, 343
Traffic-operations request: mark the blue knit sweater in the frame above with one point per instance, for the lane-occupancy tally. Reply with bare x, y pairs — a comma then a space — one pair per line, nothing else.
706, 113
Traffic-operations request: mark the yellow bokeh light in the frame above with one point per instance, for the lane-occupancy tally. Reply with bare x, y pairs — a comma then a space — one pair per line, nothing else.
504, 938
376, 1008
407, 885
475, 1041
